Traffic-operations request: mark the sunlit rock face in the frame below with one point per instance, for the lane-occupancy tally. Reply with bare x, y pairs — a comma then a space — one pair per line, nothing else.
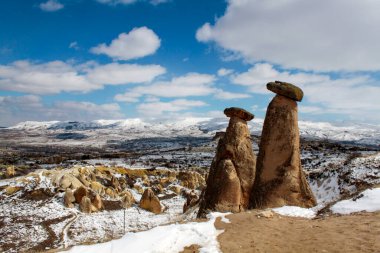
232, 171
280, 179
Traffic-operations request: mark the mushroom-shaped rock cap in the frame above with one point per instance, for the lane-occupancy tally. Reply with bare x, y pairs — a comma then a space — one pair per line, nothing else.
238, 112
286, 89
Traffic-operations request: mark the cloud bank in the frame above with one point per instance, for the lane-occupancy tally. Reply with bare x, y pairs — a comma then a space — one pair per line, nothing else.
189, 85
324, 35
58, 76
355, 96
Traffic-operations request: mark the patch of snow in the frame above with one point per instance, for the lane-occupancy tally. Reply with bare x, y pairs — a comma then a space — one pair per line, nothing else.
166, 239
369, 202
295, 211
4, 183
326, 190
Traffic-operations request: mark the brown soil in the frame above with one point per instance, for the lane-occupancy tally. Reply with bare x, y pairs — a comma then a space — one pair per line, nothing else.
194, 248
350, 233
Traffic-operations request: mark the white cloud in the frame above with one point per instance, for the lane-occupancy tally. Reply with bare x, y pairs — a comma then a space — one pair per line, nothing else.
51, 6
346, 95
310, 109
57, 76
157, 2
154, 109
260, 74
224, 72
129, 97
116, 2
14, 109
116, 74
151, 99
325, 35
127, 2
355, 96
226, 95
137, 43
45, 78
74, 45
191, 84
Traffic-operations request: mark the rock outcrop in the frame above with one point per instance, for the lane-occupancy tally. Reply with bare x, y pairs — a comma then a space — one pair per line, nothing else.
69, 198
97, 202
150, 202
97, 187
191, 180
280, 179
232, 171
127, 199
80, 193
192, 200
67, 180
286, 89
10, 172
85, 205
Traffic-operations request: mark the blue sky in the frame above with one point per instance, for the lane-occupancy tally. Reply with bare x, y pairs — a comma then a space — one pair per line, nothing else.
112, 59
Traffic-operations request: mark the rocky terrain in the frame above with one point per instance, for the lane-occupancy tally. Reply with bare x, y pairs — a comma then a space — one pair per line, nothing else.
39, 170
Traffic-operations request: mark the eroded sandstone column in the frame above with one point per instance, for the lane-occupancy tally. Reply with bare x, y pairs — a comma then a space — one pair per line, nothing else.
280, 179
232, 171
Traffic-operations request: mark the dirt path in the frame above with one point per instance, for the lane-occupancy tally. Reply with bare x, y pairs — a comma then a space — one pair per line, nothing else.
64, 235
352, 233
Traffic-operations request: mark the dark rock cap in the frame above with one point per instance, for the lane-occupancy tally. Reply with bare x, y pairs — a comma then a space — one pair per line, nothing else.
286, 89
238, 112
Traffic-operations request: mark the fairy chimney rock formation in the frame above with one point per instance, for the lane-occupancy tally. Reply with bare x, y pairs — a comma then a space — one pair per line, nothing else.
232, 171
280, 179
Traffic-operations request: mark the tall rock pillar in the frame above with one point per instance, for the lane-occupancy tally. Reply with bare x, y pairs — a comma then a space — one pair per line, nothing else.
280, 179
232, 171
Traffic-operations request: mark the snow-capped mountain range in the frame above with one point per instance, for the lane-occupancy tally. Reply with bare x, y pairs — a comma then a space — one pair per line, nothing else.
195, 127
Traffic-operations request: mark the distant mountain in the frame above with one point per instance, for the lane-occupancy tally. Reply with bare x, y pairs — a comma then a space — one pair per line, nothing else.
198, 127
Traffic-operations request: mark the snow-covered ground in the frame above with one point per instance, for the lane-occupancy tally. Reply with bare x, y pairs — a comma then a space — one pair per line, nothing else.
295, 211
100, 132
368, 201
336, 173
164, 239
34, 217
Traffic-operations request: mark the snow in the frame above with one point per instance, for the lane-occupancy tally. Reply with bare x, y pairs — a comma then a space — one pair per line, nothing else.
4, 183
369, 201
69, 224
166, 239
360, 133
326, 190
29, 125
139, 128
295, 211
